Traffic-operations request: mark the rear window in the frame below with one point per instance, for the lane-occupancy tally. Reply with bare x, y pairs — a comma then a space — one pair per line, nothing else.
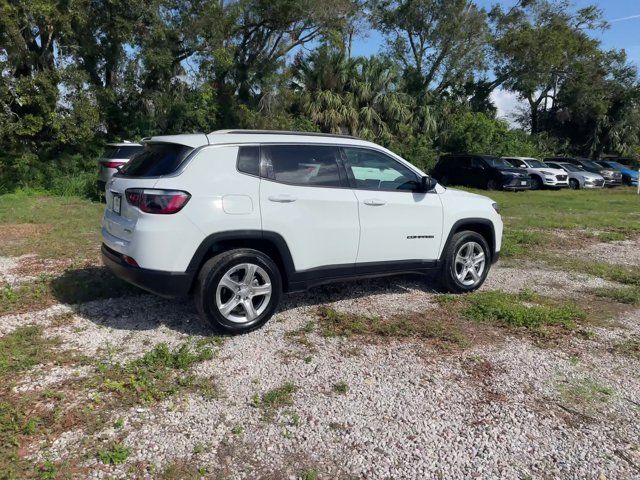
312, 165
156, 160
125, 151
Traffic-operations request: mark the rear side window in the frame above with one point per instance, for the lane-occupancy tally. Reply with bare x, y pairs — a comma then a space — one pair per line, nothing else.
156, 160
124, 151
249, 160
310, 165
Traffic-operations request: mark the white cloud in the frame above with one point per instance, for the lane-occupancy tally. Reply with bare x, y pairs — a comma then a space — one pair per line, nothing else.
507, 104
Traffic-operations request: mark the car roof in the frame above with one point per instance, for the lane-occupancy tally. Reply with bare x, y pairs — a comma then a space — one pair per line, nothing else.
124, 144
519, 158
220, 137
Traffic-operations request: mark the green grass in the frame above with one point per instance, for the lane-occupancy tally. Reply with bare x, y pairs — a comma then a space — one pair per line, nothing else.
274, 399
73, 286
340, 387
115, 454
525, 310
335, 323
23, 349
611, 214
629, 347
49, 226
584, 393
159, 374
616, 273
629, 295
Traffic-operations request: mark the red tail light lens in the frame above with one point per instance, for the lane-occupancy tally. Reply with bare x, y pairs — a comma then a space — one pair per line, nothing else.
112, 164
163, 202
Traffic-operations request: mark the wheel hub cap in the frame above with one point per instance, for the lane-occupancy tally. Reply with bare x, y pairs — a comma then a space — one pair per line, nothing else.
243, 293
470, 263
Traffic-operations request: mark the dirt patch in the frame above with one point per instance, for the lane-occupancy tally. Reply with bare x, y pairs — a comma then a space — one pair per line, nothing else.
18, 231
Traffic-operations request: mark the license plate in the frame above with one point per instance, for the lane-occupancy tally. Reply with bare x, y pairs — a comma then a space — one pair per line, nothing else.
523, 182
117, 200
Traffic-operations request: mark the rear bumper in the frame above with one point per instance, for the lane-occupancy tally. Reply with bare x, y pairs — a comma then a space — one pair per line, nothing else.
165, 284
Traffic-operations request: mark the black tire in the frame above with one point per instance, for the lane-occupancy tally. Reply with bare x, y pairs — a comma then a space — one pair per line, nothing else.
536, 183
212, 272
448, 276
574, 184
492, 184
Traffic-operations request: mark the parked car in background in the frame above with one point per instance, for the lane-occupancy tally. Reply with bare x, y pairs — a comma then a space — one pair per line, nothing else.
612, 177
238, 217
480, 171
114, 157
629, 174
542, 175
578, 176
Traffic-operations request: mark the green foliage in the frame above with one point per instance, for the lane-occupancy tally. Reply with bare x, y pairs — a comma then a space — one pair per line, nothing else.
520, 310
113, 455
628, 295
77, 74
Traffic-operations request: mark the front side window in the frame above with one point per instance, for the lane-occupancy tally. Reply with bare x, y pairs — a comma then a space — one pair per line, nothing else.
373, 170
516, 162
498, 162
310, 165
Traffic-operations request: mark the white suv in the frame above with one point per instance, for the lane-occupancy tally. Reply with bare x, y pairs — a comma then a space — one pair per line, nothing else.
542, 175
238, 217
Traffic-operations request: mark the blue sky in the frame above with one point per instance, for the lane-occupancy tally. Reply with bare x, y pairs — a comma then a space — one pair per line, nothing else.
624, 32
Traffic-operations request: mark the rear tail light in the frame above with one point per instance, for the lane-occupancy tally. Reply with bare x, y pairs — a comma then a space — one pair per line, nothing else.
157, 201
112, 164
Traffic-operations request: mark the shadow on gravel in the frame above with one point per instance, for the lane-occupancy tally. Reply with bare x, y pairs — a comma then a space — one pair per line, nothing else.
97, 295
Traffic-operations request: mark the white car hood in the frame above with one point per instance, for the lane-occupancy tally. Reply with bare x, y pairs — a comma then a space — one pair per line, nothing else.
553, 171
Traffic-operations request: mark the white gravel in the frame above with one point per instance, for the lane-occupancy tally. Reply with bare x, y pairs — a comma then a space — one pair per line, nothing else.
410, 411
625, 252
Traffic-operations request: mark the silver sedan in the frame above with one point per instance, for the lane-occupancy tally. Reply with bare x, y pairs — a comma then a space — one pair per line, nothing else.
578, 177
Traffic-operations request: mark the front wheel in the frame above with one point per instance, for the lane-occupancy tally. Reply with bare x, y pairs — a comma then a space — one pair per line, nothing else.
536, 183
466, 262
238, 290
574, 184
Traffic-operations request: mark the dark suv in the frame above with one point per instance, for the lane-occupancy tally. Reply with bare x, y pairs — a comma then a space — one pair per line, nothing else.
480, 171
612, 177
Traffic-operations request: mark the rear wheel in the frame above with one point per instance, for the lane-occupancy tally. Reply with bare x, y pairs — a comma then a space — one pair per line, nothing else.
574, 184
536, 183
466, 262
492, 185
238, 290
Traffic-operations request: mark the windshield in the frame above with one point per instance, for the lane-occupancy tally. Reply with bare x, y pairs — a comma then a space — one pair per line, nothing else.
572, 168
537, 164
617, 165
590, 164
497, 162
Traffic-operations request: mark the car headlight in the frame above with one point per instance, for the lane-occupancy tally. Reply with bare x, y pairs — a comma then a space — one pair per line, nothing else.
496, 207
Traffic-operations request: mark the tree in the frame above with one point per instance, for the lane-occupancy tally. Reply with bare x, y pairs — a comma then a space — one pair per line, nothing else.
439, 43
537, 45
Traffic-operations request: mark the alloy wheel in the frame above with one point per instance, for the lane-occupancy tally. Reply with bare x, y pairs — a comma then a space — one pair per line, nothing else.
243, 293
470, 263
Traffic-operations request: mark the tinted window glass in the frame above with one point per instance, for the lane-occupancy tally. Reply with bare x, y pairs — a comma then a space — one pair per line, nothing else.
249, 160
315, 165
157, 159
477, 163
376, 171
498, 162
125, 151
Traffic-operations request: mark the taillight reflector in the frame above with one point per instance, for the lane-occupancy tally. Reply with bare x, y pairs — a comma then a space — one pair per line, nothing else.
162, 202
112, 164
130, 260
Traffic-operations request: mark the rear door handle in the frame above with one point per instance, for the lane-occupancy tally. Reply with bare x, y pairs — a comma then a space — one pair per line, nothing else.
284, 198
374, 202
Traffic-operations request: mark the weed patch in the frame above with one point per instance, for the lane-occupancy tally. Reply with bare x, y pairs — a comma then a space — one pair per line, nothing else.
527, 311
629, 347
626, 295
274, 399
584, 393
115, 454
333, 322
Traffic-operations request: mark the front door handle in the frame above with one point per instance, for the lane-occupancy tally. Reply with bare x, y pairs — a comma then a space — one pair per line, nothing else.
374, 202
284, 198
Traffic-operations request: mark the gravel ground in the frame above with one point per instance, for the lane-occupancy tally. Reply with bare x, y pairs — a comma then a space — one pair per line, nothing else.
625, 252
410, 410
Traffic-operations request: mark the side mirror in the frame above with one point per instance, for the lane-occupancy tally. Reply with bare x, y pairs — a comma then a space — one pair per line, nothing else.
427, 184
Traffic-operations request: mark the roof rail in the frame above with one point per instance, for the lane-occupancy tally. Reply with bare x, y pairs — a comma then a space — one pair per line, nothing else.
281, 132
